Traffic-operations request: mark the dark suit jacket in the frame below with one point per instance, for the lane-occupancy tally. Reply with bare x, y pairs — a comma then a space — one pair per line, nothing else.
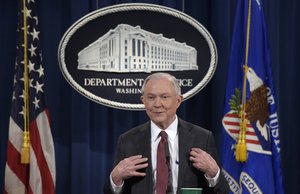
138, 141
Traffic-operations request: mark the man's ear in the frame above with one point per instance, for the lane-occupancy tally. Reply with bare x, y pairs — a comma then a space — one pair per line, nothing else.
180, 98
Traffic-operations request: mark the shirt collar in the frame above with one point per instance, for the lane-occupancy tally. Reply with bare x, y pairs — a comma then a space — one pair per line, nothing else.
171, 130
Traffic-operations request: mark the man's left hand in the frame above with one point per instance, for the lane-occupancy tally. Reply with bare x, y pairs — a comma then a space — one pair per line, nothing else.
204, 162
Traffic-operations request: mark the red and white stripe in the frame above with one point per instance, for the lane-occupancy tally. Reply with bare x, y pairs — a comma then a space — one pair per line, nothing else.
38, 177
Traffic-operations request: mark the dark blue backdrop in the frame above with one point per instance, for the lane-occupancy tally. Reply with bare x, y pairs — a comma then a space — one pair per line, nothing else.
85, 133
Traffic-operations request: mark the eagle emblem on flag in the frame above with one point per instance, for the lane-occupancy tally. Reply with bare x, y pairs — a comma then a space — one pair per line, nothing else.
257, 114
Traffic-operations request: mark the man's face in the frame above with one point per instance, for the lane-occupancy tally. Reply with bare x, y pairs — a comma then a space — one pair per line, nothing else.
161, 101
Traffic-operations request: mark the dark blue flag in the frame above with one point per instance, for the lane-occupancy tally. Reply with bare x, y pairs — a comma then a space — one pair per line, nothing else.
250, 104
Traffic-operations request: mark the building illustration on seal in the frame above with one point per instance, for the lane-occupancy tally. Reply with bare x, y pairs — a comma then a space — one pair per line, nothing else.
127, 49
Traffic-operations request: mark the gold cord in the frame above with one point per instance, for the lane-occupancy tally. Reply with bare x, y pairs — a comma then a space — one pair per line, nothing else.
25, 151
241, 147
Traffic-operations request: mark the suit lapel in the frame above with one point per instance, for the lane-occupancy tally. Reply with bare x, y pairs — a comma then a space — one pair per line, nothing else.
144, 147
185, 141
144, 141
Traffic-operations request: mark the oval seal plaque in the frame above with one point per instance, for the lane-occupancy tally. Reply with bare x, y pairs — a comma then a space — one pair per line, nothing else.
107, 54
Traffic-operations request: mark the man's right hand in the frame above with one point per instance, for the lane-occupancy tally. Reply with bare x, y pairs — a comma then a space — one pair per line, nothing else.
128, 168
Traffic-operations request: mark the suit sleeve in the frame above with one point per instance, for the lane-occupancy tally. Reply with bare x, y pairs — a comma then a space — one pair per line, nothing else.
222, 186
119, 155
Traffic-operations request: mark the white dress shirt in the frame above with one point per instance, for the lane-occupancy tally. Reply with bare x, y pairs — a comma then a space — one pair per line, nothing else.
173, 148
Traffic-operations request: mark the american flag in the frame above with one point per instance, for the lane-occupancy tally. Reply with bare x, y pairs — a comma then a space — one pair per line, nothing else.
37, 177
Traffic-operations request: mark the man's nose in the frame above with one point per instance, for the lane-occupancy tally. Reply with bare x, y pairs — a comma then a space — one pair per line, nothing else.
157, 102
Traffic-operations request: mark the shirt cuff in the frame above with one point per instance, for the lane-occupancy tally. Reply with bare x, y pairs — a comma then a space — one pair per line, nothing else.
213, 181
116, 189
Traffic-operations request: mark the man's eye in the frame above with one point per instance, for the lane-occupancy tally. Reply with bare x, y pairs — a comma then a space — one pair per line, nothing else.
165, 97
150, 97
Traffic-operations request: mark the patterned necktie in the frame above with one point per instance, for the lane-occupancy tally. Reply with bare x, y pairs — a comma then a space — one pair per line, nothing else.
163, 175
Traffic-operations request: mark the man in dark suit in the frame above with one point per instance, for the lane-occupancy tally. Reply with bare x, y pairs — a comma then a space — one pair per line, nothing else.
191, 154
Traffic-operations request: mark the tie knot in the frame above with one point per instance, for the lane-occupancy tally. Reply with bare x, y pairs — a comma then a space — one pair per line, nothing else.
164, 135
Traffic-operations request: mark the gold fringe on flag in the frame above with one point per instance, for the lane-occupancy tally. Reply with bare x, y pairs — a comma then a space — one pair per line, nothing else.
25, 151
241, 147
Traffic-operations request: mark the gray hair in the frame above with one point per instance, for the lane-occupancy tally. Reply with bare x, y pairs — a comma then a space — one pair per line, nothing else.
160, 75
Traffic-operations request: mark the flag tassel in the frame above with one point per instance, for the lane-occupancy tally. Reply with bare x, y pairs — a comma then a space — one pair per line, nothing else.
25, 151
241, 147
